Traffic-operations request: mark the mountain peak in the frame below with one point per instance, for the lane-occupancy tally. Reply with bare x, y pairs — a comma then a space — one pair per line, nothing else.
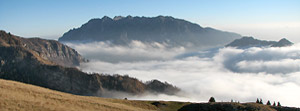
246, 42
129, 16
106, 18
118, 18
283, 42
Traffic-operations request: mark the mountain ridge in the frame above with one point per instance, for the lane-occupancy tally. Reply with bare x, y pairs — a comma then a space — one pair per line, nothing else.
50, 50
162, 29
246, 42
24, 64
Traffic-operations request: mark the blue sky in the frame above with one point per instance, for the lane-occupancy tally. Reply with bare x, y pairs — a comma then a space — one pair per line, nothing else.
265, 19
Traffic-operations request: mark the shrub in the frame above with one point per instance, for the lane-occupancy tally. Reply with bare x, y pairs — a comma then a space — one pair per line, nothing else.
212, 99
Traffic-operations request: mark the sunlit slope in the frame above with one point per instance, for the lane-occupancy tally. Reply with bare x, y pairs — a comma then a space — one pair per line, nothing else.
20, 96
16, 96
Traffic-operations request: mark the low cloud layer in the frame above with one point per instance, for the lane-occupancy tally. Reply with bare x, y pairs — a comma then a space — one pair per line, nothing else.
226, 73
135, 51
255, 60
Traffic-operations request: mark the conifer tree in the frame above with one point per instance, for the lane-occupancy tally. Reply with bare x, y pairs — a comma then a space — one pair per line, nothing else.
274, 104
257, 101
261, 102
278, 104
269, 103
212, 99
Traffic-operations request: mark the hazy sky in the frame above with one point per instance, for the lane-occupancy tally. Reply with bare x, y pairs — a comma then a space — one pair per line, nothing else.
265, 19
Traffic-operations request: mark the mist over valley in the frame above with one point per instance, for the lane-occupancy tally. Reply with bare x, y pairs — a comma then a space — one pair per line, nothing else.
194, 55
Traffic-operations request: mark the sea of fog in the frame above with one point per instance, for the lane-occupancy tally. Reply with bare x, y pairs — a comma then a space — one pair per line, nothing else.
225, 73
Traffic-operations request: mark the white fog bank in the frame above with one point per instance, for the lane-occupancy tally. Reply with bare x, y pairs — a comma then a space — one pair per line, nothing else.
227, 73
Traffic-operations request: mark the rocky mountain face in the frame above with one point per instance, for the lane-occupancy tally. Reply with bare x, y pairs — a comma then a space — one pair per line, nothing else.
50, 50
21, 61
161, 29
246, 42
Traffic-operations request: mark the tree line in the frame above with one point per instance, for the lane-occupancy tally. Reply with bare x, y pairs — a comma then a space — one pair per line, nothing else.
259, 101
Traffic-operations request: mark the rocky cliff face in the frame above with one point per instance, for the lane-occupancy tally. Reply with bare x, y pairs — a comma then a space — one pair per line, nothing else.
246, 42
29, 61
46, 49
161, 29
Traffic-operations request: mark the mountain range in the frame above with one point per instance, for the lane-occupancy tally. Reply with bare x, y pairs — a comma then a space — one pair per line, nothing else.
162, 29
48, 63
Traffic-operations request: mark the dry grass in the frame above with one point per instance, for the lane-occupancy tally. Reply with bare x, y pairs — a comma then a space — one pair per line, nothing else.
19, 96
16, 96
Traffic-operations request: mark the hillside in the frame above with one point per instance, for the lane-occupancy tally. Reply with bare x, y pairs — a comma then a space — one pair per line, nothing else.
49, 50
252, 42
23, 64
162, 29
20, 96
24, 97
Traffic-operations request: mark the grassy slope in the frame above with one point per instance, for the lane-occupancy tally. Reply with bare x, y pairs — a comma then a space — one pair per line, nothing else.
20, 96
25, 97
17, 96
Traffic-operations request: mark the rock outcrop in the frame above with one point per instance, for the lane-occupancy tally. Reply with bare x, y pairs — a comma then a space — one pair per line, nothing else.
50, 50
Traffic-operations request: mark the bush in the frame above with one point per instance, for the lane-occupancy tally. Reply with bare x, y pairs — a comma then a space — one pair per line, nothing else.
212, 99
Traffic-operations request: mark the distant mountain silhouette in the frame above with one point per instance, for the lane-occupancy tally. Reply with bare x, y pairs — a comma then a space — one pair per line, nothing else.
34, 61
282, 42
162, 29
246, 42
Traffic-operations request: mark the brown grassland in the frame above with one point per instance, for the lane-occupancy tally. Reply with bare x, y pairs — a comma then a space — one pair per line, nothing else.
19, 96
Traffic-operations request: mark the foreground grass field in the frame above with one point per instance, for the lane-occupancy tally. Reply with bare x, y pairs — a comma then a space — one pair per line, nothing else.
16, 96
24, 97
